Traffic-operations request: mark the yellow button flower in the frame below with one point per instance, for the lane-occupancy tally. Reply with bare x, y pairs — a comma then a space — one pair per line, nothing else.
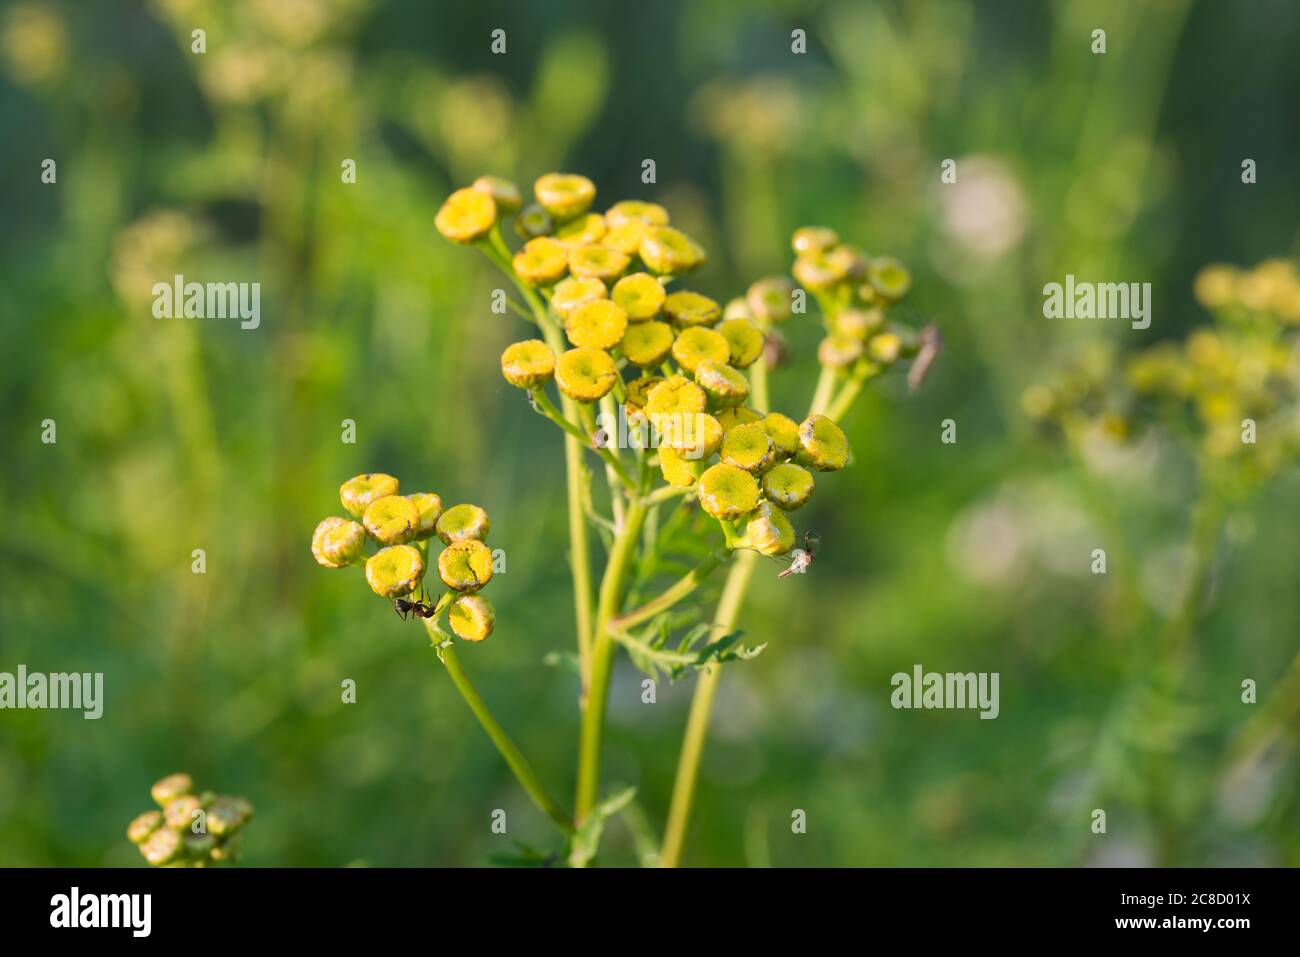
696, 435
738, 415
358, 492
698, 344
858, 323
676, 469
541, 260
462, 522
687, 308
744, 339
472, 617
166, 790
528, 364
724, 385
465, 565
885, 348
771, 300
889, 277
600, 262
813, 239
564, 195
768, 531
337, 542
839, 352
823, 444
641, 295
625, 237
599, 324
638, 392
581, 230
573, 292
784, 433
788, 486
429, 506
467, 215
748, 447
395, 571
726, 492
666, 250
646, 344
391, 520
634, 210
585, 373
533, 221
676, 394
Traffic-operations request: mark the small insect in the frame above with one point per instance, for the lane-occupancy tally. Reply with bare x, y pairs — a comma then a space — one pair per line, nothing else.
600, 439
801, 559
420, 608
931, 343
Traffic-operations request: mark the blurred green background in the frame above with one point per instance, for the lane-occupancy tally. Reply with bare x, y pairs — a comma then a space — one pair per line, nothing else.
183, 434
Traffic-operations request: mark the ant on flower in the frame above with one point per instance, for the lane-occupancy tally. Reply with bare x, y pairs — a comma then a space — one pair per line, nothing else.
801, 559
420, 608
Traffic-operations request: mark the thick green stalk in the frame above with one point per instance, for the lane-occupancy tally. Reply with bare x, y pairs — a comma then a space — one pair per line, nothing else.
697, 724
602, 657
514, 758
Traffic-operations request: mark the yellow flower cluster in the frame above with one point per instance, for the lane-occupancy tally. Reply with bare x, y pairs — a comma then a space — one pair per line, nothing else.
191, 829
401, 526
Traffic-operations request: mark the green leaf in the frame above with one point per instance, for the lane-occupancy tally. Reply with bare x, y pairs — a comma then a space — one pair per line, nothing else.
586, 840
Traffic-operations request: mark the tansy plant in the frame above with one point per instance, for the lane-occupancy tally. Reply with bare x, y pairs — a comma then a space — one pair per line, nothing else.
666, 389
192, 829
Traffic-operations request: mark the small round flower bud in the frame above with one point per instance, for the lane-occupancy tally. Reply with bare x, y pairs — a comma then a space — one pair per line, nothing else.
724, 385
585, 374
144, 825
676, 468
357, 493
738, 415
889, 277
598, 325
528, 364
784, 433
179, 812
788, 486
885, 348
1214, 285
813, 239
666, 250
691, 309
581, 230
503, 192
533, 221
465, 565
227, 814
674, 395
744, 339
634, 210
429, 506
768, 531
467, 215
638, 391
771, 300
391, 520
818, 271
564, 195
337, 542
576, 291
703, 438
162, 847
647, 344
542, 260
471, 617
171, 787
598, 262
858, 323
625, 237
395, 571
748, 447
839, 352
823, 444
641, 295
699, 344
727, 492
462, 522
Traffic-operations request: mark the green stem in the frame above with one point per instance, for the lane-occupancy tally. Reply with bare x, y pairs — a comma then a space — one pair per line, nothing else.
514, 758
844, 401
671, 595
697, 724
825, 390
602, 658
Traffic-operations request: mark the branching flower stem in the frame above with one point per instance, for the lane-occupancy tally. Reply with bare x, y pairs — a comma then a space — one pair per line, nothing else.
670, 596
514, 758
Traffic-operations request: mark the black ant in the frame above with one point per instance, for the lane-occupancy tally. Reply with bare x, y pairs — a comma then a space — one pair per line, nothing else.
801, 559
419, 608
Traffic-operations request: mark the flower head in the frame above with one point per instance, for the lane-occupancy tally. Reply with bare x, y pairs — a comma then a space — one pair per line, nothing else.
585, 373
634, 210
395, 571
576, 291
748, 447
687, 308
542, 260
647, 344
771, 300
698, 344
788, 486
727, 492
667, 251
768, 531
503, 192
744, 339
337, 542
823, 444
641, 295
467, 215
564, 195
676, 394
471, 616
599, 324
461, 523
391, 520
528, 364
465, 565
358, 492
429, 506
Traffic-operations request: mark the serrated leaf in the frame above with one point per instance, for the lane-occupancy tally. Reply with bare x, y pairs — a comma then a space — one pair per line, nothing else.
586, 839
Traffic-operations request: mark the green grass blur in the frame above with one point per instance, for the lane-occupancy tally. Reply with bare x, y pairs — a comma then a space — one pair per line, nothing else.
183, 434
